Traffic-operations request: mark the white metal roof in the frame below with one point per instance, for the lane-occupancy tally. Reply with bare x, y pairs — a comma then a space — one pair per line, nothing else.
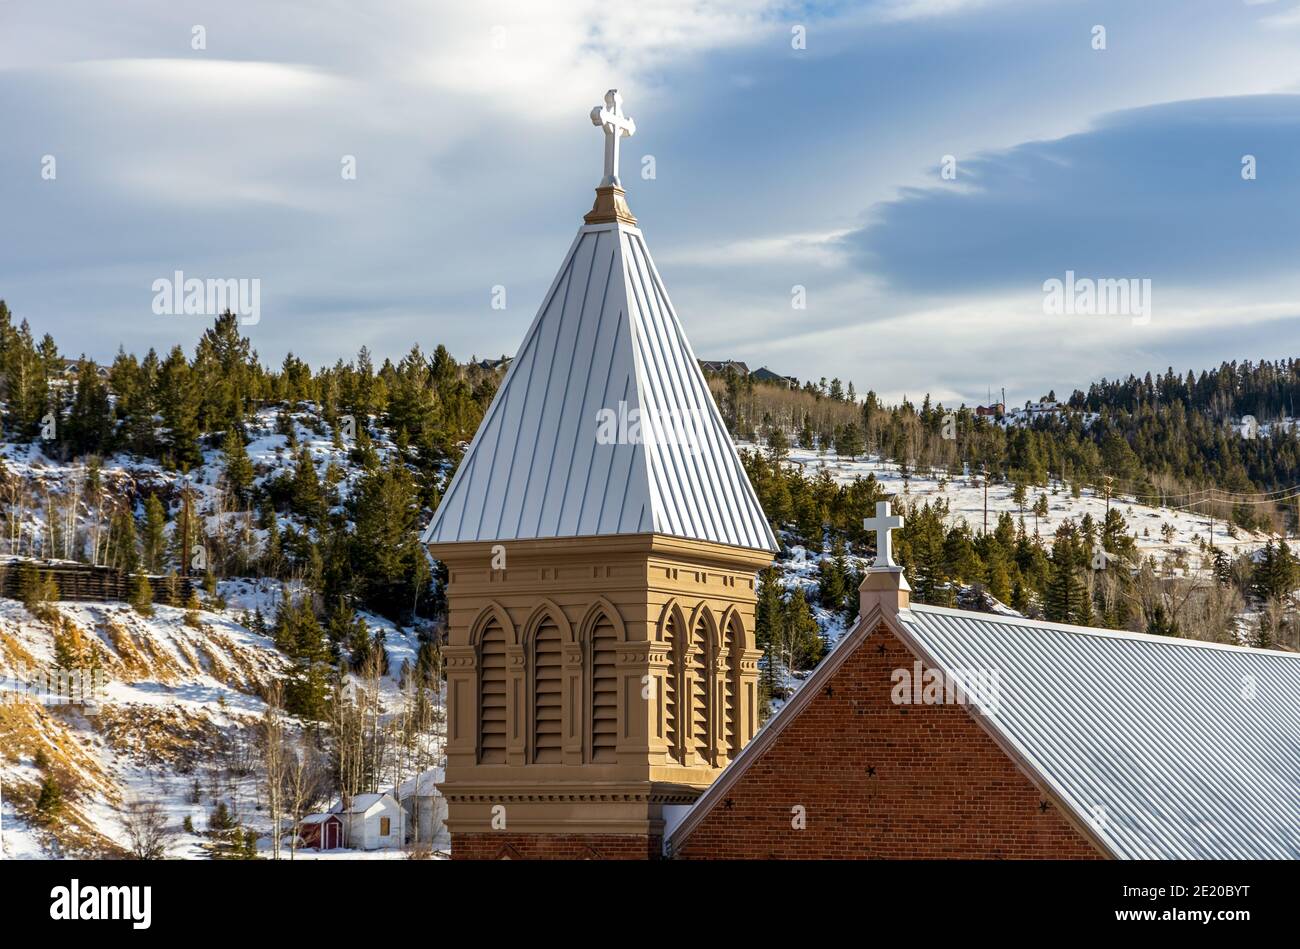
425, 784
605, 347
360, 803
1169, 748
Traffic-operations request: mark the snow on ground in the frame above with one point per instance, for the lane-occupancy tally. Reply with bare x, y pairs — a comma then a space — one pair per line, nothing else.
966, 500
169, 692
966, 503
268, 450
166, 681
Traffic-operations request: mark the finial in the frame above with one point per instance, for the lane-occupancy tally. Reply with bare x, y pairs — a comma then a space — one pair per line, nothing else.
883, 524
884, 584
610, 203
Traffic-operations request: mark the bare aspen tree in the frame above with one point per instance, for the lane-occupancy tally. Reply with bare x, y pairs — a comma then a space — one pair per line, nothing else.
274, 761
303, 784
347, 734
145, 824
373, 671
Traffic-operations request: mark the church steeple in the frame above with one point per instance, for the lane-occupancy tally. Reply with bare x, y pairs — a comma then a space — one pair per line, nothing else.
601, 541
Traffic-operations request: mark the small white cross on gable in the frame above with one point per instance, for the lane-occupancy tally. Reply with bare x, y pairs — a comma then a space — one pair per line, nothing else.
610, 117
882, 524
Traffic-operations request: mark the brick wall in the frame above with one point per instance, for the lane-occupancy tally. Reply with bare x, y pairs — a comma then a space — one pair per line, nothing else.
554, 847
879, 780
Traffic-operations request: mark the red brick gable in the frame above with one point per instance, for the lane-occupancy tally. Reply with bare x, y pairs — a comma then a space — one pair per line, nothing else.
872, 779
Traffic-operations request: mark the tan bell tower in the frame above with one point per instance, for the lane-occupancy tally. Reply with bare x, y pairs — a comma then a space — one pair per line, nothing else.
601, 540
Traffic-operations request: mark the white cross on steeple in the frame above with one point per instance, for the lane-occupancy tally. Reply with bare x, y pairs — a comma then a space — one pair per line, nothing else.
882, 524
610, 117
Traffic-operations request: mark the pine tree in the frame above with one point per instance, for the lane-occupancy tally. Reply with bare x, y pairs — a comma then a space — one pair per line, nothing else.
135, 382
767, 624
848, 441
777, 443
344, 629
122, 548
1066, 599
223, 370
308, 682
1222, 567
50, 801
921, 551
802, 639
154, 541
307, 499
178, 403
1040, 509
141, 594
35, 587
391, 567
997, 577
1160, 622
238, 469
89, 426
831, 583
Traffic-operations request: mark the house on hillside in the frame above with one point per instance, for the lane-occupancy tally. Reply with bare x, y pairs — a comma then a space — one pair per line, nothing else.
765, 375
425, 809
723, 366
372, 822
990, 411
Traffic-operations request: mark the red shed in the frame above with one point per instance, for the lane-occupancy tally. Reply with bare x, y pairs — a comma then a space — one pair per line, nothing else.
321, 831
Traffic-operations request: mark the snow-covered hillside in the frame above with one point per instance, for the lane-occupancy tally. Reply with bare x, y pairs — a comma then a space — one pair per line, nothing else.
167, 695
269, 450
966, 498
171, 718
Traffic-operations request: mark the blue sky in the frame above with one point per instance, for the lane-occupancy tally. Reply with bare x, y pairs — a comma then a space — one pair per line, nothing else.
775, 167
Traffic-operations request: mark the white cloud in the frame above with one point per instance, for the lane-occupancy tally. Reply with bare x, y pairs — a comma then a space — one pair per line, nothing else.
821, 248
922, 9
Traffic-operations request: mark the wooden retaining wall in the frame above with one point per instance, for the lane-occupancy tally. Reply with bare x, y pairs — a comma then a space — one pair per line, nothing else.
83, 581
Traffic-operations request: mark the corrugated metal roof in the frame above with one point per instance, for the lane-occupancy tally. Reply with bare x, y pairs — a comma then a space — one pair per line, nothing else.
605, 351
1169, 748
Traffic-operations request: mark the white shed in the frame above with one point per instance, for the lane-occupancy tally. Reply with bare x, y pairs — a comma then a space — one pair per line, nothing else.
426, 809
372, 822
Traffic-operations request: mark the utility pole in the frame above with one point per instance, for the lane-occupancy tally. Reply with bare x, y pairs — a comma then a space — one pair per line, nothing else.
985, 472
1107, 479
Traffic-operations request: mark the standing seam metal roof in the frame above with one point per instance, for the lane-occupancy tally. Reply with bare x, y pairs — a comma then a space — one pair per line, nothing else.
605, 338
1163, 748
1169, 748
